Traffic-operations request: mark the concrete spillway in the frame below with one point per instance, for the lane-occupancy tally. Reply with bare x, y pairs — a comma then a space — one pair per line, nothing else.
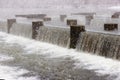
58, 36
98, 43
101, 44
44, 61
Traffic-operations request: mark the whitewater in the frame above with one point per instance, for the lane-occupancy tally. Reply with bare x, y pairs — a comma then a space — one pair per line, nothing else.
25, 59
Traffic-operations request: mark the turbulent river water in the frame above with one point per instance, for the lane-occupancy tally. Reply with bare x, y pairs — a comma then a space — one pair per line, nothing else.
24, 59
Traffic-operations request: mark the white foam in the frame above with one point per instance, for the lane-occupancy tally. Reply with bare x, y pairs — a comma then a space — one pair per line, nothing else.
5, 57
13, 73
101, 65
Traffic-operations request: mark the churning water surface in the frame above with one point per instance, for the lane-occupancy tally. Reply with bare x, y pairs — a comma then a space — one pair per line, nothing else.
24, 59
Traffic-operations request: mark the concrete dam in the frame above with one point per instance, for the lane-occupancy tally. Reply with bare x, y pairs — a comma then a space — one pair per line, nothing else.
74, 36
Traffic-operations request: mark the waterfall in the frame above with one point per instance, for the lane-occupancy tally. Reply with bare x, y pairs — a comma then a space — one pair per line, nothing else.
22, 29
54, 35
107, 45
3, 26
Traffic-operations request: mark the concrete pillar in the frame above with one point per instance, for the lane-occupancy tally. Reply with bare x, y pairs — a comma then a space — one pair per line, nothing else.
109, 27
71, 22
88, 19
74, 34
10, 22
35, 27
116, 15
47, 19
62, 17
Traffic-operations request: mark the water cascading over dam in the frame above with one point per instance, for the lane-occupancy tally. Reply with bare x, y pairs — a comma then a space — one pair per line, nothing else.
26, 29
3, 26
54, 35
36, 30
107, 45
21, 29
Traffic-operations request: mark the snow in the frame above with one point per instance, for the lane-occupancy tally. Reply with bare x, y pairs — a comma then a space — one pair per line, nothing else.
99, 64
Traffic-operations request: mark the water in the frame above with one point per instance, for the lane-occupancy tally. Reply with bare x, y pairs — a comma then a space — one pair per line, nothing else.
31, 60
54, 35
22, 29
107, 45
3, 26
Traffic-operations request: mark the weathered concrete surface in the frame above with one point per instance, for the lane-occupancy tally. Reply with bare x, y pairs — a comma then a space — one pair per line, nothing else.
116, 15
47, 19
110, 27
74, 34
71, 22
35, 27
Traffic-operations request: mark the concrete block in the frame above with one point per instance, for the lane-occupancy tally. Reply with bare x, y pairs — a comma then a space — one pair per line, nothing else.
116, 15
74, 34
71, 22
109, 27
35, 27
47, 19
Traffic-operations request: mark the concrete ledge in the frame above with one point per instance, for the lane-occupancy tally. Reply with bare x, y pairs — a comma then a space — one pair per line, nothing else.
110, 27
71, 22
47, 19
39, 16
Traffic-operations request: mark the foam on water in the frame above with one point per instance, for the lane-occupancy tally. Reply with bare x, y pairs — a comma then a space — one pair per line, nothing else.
5, 57
12, 73
99, 64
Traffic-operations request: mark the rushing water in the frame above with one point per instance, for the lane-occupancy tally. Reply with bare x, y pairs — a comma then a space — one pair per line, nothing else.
3, 26
58, 36
101, 44
22, 29
42, 61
